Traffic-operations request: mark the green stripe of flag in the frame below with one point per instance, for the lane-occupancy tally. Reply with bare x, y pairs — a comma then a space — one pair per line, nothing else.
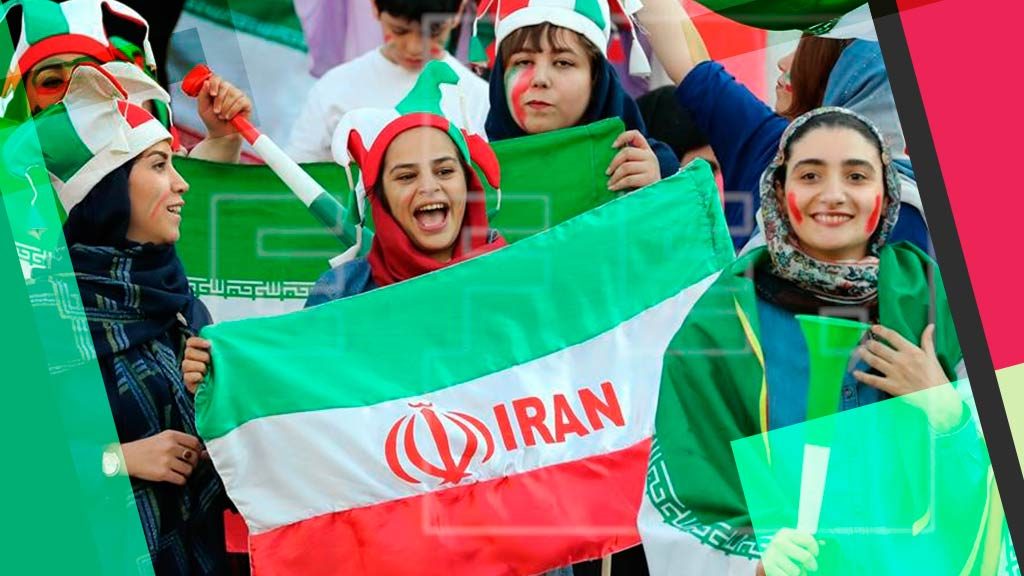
242, 223
482, 316
272, 20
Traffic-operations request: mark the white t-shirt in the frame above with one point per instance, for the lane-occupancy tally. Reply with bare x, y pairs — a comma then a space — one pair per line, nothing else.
373, 81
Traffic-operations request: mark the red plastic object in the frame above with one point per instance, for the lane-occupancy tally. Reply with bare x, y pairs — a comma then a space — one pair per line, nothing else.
194, 80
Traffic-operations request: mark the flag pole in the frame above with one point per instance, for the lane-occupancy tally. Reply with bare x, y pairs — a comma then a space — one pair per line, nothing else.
324, 207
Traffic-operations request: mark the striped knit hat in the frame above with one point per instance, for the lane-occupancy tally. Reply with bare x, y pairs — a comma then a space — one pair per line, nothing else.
92, 132
364, 135
42, 28
589, 18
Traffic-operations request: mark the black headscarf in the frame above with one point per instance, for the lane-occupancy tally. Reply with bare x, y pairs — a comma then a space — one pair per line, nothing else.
607, 100
135, 297
147, 282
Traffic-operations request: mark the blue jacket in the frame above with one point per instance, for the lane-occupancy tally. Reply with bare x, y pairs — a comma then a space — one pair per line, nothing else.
351, 278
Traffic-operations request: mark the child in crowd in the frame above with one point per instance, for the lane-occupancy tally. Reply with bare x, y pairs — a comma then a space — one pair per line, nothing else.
415, 32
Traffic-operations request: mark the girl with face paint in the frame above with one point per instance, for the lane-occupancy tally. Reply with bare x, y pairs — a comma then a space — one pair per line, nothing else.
833, 188
830, 200
743, 131
551, 72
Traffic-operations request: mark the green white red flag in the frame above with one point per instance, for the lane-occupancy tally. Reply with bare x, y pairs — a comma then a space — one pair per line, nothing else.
491, 418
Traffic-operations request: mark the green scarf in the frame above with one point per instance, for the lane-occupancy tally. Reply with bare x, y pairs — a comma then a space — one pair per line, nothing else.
713, 389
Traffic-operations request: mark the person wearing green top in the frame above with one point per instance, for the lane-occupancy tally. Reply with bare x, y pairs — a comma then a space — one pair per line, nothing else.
739, 365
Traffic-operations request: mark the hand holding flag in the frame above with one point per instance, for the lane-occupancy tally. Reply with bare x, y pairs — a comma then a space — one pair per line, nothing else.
328, 210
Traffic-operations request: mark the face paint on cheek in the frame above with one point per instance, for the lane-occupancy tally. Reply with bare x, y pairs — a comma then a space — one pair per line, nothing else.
435, 50
159, 202
876, 214
794, 211
521, 81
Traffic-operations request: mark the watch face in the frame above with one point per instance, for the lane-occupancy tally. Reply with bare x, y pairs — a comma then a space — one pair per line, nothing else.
111, 463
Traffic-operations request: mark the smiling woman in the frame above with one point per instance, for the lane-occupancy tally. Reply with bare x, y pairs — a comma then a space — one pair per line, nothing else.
155, 194
833, 186
427, 201
123, 199
830, 200
424, 187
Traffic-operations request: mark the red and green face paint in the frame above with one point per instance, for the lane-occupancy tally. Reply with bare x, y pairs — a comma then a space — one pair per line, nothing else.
787, 82
518, 80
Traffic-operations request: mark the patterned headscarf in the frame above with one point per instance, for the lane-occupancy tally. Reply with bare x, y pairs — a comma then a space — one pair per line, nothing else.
840, 282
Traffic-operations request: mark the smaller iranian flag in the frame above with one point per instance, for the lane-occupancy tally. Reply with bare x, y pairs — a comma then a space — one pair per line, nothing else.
493, 417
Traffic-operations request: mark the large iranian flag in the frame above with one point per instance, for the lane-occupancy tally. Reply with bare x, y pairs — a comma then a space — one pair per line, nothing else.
490, 418
251, 248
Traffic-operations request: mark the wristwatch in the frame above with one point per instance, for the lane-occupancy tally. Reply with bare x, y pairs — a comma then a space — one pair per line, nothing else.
113, 461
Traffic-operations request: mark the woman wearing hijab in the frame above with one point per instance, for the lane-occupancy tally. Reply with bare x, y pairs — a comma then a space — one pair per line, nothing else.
551, 72
830, 200
743, 131
124, 204
426, 201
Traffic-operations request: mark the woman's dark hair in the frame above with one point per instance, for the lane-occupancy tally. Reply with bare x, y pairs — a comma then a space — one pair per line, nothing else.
529, 38
813, 61
669, 122
415, 10
827, 120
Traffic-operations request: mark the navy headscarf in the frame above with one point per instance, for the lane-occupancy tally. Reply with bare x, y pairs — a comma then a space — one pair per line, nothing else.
95, 232
608, 99
135, 297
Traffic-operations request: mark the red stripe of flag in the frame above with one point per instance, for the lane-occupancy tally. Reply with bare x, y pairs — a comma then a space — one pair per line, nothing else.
523, 524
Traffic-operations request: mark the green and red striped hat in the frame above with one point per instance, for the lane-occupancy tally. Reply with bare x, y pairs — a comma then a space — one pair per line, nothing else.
93, 131
363, 135
592, 19
43, 28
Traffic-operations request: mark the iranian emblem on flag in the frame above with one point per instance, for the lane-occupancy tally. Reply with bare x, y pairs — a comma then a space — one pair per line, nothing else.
458, 438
